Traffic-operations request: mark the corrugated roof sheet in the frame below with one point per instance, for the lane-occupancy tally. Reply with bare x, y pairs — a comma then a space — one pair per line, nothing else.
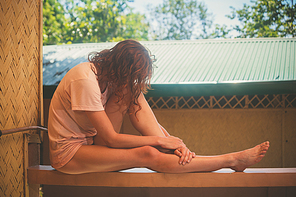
194, 61
198, 61
220, 61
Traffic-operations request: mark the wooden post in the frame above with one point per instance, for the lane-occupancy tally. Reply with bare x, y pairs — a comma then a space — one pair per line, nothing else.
32, 157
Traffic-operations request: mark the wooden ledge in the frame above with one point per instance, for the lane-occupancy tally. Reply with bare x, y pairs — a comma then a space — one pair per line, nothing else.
142, 177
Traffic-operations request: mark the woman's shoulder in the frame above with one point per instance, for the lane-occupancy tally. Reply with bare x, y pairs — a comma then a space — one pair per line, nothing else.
80, 74
84, 66
81, 71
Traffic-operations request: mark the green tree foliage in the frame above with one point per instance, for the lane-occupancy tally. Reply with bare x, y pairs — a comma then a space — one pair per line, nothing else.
206, 21
53, 22
182, 20
97, 21
220, 32
206, 29
266, 18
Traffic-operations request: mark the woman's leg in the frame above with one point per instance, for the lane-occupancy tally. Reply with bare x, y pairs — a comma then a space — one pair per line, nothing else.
144, 121
94, 158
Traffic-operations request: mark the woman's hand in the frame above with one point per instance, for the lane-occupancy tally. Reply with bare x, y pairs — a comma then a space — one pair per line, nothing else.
171, 142
185, 155
180, 148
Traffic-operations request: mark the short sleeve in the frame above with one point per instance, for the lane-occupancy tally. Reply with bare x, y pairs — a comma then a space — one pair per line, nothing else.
85, 95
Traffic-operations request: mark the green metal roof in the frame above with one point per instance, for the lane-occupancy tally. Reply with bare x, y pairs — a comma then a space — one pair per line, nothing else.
222, 61
202, 67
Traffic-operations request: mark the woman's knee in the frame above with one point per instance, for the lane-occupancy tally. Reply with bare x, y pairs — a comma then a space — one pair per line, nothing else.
148, 152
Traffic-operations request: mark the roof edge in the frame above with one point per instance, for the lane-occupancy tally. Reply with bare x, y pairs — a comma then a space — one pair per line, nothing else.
94, 44
220, 89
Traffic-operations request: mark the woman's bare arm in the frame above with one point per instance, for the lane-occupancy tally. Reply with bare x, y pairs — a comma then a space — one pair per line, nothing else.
106, 132
164, 131
146, 123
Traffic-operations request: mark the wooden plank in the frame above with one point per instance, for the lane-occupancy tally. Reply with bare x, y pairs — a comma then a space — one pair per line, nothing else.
142, 177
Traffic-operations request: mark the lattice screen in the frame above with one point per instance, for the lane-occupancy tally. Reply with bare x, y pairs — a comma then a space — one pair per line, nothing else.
224, 102
19, 85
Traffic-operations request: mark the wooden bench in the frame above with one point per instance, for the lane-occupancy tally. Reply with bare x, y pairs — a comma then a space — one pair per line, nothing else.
144, 182
143, 177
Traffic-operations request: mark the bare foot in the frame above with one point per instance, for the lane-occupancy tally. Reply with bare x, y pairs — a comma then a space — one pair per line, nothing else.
249, 157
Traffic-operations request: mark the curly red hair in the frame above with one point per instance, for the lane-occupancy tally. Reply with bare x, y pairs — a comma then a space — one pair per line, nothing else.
126, 65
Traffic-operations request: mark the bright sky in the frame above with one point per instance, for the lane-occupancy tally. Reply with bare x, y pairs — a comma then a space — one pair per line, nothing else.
219, 8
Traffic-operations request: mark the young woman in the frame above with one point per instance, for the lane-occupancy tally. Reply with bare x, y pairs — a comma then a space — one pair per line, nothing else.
87, 111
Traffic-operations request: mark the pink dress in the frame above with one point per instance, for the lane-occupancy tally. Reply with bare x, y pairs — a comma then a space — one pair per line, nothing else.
68, 126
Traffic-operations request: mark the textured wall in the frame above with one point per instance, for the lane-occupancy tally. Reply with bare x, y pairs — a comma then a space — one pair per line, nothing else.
218, 131
20, 79
289, 138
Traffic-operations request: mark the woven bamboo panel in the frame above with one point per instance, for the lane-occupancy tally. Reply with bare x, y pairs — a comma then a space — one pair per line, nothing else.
224, 102
19, 86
